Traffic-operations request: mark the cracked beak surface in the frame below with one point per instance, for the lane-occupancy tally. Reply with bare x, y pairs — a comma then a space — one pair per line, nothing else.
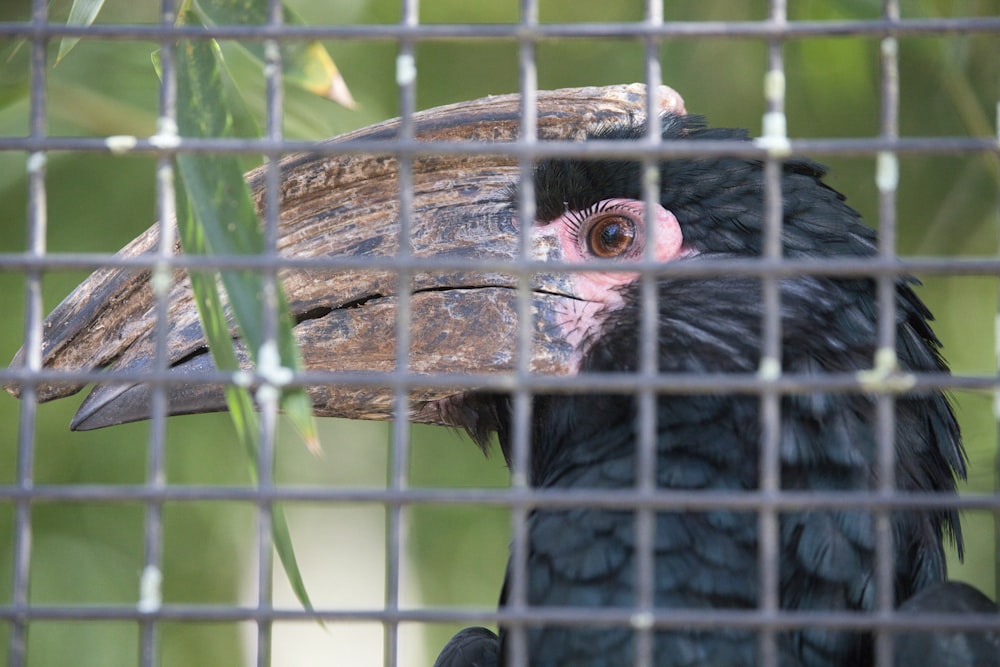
347, 206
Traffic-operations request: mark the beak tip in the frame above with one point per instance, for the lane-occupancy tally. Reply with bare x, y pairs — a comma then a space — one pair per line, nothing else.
114, 404
107, 406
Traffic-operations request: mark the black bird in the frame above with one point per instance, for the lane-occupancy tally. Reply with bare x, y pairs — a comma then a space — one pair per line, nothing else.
710, 209
586, 557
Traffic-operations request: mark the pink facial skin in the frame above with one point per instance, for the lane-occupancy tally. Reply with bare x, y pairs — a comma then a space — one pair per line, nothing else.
576, 237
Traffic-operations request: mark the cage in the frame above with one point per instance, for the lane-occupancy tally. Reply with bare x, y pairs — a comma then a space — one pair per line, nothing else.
151, 543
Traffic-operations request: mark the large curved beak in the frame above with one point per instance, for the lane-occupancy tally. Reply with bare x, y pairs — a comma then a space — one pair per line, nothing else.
347, 206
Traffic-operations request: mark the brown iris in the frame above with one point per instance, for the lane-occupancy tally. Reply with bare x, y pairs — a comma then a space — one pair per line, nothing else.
611, 234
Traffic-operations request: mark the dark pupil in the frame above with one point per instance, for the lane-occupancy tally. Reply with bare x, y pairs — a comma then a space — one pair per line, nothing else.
612, 236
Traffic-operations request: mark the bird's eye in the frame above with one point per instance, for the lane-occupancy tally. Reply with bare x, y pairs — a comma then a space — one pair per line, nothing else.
611, 234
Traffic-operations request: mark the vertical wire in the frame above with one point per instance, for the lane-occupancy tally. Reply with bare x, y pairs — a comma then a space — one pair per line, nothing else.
37, 219
996, 397
150, 585
775, 132
268, 396
646, 459
520, 479
885, 360
400, 445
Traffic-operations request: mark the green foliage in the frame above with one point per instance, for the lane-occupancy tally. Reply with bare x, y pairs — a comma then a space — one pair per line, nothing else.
305, 64
216, 216
82, 13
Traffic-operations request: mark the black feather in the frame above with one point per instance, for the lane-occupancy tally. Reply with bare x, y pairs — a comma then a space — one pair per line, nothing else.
949, 648
472, 647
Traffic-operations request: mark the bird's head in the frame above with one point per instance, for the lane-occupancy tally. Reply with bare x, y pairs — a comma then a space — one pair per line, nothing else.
340, 218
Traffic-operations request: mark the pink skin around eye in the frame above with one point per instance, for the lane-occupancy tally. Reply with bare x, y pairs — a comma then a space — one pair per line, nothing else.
596, 292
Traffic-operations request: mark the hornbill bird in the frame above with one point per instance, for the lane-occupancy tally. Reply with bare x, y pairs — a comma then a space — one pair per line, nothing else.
339, 204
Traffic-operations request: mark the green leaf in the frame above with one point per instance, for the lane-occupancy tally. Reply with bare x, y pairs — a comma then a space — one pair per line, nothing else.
82, 13
244, 122
286, 554
15, 68
307, 65
298, 409
238, 399
217, 216
213, 322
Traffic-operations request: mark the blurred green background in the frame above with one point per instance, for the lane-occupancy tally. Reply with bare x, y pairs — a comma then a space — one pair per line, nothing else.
92, 553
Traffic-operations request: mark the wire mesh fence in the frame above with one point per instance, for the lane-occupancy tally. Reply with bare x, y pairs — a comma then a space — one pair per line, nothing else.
151, 543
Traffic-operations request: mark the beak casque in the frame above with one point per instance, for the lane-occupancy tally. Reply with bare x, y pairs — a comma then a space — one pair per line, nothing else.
347, 206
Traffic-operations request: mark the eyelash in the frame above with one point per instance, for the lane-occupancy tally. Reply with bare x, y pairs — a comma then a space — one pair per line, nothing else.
575, 219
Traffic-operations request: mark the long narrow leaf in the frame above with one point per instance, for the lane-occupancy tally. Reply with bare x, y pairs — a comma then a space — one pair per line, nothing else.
82, 13
307, 65
219, 218
238, 399
15, 70
221, 202
213, 321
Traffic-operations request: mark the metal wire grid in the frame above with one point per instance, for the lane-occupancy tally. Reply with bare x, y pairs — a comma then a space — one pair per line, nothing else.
646, 499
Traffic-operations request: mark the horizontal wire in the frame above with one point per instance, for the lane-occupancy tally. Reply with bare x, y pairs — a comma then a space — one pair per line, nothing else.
857, 266
659, 618
594, 149
660, 500
904, 382
514, 32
